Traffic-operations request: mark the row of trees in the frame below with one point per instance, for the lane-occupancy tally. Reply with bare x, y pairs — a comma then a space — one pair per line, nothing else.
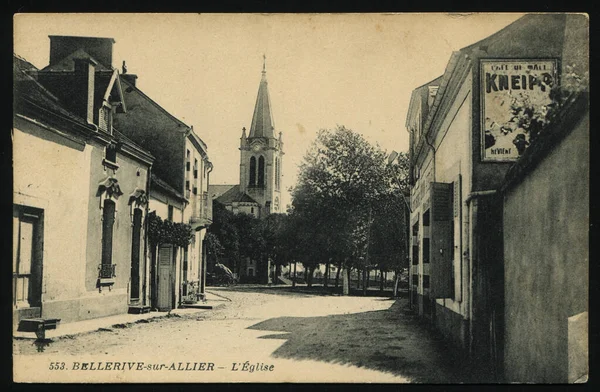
349, 205
233, 237
348, 210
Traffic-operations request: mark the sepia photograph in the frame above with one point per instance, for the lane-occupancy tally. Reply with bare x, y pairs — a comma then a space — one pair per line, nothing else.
390, 198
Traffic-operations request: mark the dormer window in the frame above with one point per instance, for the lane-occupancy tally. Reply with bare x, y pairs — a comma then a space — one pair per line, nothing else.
105, 119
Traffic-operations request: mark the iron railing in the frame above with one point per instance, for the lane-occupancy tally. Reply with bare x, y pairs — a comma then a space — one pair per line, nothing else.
107, 271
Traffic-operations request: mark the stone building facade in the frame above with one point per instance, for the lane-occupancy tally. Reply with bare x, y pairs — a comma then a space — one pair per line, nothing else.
80, 191
462, 144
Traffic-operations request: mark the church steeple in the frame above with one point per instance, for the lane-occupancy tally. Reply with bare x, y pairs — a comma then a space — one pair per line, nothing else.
262, 119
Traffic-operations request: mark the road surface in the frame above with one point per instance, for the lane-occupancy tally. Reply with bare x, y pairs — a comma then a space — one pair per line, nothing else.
260, 335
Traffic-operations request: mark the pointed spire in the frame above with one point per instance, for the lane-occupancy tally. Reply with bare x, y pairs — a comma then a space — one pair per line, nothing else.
262, 119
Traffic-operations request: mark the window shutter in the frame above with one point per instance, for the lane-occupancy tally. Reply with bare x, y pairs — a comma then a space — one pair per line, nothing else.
165, 255
441, 270
108, 220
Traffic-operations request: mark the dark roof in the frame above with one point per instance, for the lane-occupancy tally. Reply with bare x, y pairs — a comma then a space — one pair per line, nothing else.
234, 195
28, 90
67, 63
156, 181
129, 85
219, 189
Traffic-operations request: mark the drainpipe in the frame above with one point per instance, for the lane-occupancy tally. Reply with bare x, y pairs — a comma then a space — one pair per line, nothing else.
147, 263
433, 158
473, 195
203, 247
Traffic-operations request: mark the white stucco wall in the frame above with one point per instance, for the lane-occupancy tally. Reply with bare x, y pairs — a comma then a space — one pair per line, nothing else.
53, 173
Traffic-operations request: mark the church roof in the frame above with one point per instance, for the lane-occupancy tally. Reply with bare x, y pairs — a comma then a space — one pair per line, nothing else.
262, 120
234, 195
217, 190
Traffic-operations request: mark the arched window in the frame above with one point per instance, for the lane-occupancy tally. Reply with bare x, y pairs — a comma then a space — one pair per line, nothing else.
252, 181
261, 171
276, 173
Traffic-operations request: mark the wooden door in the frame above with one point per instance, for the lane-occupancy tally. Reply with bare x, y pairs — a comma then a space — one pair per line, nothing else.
27, 259
165, 287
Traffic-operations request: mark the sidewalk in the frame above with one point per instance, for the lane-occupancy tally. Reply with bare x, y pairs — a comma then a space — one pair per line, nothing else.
78, 327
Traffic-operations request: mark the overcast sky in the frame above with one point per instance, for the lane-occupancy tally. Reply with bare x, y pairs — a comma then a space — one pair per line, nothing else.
356, 70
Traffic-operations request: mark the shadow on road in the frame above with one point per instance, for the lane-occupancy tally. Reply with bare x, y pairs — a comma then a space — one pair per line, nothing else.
390, 341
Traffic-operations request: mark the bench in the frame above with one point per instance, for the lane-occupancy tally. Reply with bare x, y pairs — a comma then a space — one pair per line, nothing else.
38, 325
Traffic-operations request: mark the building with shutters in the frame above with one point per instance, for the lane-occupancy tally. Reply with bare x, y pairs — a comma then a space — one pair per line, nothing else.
178, 193
462, 144
259, 190
80, 189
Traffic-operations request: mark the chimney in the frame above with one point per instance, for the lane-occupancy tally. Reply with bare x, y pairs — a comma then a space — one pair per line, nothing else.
100, 49
83, 98
130, 78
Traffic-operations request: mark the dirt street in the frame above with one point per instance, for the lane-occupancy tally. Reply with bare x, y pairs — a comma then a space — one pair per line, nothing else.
261, 335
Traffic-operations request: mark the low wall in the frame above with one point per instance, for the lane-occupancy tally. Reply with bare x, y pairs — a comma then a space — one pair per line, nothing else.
78, 309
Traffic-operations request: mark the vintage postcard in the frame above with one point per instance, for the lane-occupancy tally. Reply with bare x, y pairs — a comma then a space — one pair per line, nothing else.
305, 198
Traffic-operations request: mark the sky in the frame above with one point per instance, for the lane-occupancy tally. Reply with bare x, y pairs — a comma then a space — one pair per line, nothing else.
324, 70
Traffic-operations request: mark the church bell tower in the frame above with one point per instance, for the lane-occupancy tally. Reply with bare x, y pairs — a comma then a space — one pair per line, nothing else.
261, 154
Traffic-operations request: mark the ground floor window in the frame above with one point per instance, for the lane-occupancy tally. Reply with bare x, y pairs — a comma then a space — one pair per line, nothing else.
135, 253
108, 221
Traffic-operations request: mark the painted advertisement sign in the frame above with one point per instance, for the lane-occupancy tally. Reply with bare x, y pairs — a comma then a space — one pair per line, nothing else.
511, 90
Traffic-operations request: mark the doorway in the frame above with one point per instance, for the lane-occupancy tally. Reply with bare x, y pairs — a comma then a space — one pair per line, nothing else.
165, 278
27, 261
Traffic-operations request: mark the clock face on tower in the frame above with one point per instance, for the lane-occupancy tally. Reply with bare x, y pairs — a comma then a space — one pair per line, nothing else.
256, 147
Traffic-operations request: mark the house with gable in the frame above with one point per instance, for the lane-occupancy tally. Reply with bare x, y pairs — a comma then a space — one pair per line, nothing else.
80, 189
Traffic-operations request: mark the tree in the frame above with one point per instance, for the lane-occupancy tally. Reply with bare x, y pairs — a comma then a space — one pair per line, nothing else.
341, 179
225, 231
276, 235
214, 250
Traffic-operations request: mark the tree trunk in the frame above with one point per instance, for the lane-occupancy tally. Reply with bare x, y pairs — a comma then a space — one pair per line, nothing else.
326, 277
337, 276
309, 276
294, 276
381, 280
364, 274
305, 275
346, 283
358, 274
